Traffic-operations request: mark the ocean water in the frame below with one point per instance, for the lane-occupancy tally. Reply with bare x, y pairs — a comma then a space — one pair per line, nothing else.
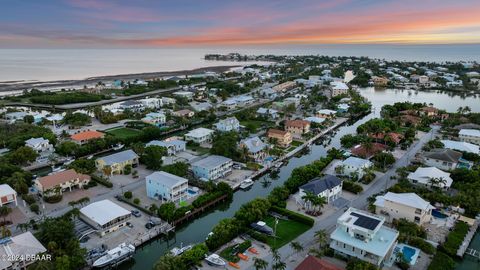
65, 64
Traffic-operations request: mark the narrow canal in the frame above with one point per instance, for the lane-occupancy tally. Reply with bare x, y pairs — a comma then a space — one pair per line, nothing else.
196, 231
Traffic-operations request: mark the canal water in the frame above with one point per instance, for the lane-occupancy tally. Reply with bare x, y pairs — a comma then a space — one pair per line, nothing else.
196, 231
469, 262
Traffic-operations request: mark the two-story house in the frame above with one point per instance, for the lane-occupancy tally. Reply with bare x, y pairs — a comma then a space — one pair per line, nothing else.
116, 163
212, 167
60, 182
443, 159
155, 118
40, 145
257, 149
228, 124
408, 206
297, 127
200, 135
354, 166
173, 146
7, 195
281, 137
166, 187
470, 136
328, 186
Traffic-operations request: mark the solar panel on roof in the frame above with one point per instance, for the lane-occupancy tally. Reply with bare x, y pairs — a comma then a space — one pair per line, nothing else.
365, 222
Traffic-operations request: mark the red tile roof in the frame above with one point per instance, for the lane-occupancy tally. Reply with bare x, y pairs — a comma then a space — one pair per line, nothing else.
396, 137
314, 263
297, 123
53, 180
87, 135
277, 131
360, 151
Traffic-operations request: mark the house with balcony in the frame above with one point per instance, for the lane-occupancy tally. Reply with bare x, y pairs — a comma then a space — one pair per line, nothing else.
166, 187
105, 216
116, 163
7, 195
354, 166
407, 206
470, 136
338, 88
155, 118
257, 149
227, 124
40, 145
328, 186
86, 136
362, 235
173, 146
60, 182
200, 135
297, 127
282, 138
443, 159
325, 113
20, 251
212, 168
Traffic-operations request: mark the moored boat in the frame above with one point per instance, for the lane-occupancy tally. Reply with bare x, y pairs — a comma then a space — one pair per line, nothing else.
247, 183
115, 255
176, 251
214, 259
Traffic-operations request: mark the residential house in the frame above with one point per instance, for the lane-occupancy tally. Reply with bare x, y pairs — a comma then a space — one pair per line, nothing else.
431, 176
200, 106
313, 119
343, 107
7, 195
390, 137
283, 87
268, 93
228, 124
60, 182
409, 206
362, 235
282, 138
184, 94
200, 135
85, 136
183, 113
155, 118
297, 127
20, 251
212, 167
443, 159
166, 187
151, 103
40, 145
116, 163
173, 146
326, 113
354, 166
105, 216
328, 186
429, 111
470, 136
15, 116
257, 149
132, 105
379, 81
409, 120
367, 152
338, 88
461, 146
314, 263
268, 113
168, 100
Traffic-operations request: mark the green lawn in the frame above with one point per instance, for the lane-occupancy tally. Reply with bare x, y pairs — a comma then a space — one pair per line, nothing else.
200, 150
123, 133
287, 230
256, 124
296, 143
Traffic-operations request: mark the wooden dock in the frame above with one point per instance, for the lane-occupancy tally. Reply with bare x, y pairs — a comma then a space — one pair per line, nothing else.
162, 229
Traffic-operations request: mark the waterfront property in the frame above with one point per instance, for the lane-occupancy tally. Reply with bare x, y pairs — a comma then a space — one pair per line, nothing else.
470, 135
7, 195
297, 127
186, 113
362, 235
173, 146
85, 136
155, 118
105, 216
328, 186
314, 119
227, 124
40, 145
166, 187
281, 137
338, 88
409, 206
443, 159
362, 151
257, 149
59, 182
431, 176
132, 105
200, 135
116, 163
354, 166
325, 113
212, 168
20, 251
461, 146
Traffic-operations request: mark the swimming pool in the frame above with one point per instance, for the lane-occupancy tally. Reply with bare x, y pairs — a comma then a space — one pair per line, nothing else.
192, 191
438, 214
410, 254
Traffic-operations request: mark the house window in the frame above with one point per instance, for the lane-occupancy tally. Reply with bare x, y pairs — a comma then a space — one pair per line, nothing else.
417, 219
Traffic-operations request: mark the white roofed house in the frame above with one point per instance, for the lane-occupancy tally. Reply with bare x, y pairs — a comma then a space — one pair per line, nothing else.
257, 149
338, 88
20, 251
407, 206
105, 216
173, 146
268, 113
212, 167
132, 105
200, 135
431, 177
354, 166
151, 103
228, 124
7, 195
325, 113
40, 145
470, 136
166, 187
155, 118
461, 146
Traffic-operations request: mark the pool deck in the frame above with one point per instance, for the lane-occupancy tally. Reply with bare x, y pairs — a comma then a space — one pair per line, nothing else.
399, 247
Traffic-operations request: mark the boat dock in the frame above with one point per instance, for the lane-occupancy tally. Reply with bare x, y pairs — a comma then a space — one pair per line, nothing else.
162, 229
463, 249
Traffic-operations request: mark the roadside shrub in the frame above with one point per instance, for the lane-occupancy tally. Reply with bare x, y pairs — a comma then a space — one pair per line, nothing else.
53, 199
29, 199
352, 187
136, 201
455, 238
294, 216
127, 170
127, 195
258, 236
35, 208
102, 181
421, 244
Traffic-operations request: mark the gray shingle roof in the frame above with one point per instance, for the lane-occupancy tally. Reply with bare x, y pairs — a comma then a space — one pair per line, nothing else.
167, 179
444, 154
119, 157
211, 162
321, 184
254, 144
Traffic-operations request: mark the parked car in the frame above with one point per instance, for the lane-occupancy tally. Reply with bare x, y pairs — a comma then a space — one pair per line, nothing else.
136, 213
129, 224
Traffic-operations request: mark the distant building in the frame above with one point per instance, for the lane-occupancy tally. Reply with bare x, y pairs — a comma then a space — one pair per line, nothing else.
364, 152
184, 94
40, 145
379, 81
212, 167
105, 216
65, 180
200, 106
173, 146
470, 136
409, 206
325, 113
200, 135
431, 176
443, 159
362, 235
7, 195
283, 87
314, 119
166, 187
268, 113
85, 136
328, 186
132, 105
184, 113
117, 162
155, 118
282, 138
257, 149
20, 251
228, 124
151, 103
297, 127
15, 116
338, 88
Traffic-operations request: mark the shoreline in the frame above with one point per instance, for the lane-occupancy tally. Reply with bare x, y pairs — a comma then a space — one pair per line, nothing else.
48, 85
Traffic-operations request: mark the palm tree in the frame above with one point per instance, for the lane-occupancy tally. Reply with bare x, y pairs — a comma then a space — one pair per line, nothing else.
308, 199
296, 246
4, 212
321, 237
319, 202
277, 263
259, 264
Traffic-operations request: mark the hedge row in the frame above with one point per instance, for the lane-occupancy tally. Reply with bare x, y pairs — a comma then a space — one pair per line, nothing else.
352, 187
102, 181
455, 238
422, 244
294, 216
441, 261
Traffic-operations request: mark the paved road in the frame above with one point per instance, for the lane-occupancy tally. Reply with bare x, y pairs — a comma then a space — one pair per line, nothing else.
292, 259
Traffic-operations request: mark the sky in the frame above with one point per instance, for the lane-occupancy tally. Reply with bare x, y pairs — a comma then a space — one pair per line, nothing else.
190, 23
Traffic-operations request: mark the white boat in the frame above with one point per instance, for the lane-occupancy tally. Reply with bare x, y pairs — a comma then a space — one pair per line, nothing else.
246, 183
214, 259
178, 251
118, 254
278, 165
118, 146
